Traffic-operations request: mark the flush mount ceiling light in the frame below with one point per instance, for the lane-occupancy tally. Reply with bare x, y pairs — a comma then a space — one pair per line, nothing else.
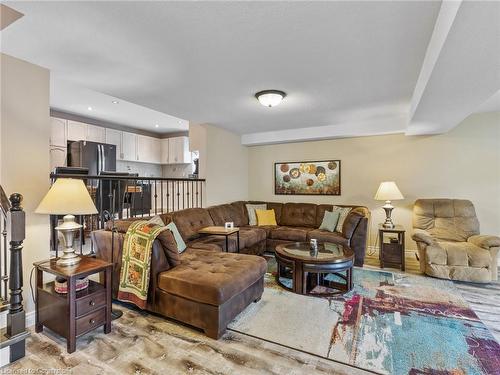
115, 102
270, 98
157, 126
89, 108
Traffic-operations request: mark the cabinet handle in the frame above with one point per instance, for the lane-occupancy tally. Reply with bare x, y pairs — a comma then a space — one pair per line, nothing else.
92, 303
92, 321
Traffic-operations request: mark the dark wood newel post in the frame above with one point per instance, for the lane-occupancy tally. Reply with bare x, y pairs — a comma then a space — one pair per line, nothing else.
16, 318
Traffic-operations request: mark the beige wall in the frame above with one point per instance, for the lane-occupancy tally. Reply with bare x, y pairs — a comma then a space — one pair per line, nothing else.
464, 163
25, 133
223, 162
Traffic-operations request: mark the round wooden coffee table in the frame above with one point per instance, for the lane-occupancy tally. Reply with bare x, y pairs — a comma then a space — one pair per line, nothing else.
315, 274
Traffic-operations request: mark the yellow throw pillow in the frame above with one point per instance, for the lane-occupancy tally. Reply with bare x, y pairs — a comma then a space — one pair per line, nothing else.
266, 217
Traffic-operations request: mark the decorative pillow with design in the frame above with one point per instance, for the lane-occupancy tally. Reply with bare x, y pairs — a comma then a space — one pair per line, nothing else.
330, 221
181, 245
343, 212
266, 217
252, 218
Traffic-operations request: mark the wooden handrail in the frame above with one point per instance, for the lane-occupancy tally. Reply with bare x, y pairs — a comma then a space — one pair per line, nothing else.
4, 202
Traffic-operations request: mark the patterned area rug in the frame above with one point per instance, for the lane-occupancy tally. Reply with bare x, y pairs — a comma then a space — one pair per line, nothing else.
389, 323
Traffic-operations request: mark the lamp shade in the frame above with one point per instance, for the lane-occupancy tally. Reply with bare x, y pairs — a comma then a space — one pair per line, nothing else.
67, 196
388, 191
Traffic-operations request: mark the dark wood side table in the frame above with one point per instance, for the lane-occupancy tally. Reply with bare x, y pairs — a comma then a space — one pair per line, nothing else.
75, 313
392, 253
222, 231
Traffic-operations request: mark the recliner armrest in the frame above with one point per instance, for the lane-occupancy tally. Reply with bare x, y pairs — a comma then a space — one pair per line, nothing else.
420, 235
484, 241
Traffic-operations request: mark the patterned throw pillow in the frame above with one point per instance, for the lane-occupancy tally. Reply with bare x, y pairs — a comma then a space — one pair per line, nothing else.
252, 218
343, 212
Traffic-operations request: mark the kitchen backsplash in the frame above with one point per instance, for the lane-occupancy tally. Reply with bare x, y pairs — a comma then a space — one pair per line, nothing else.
177, 170
143, 169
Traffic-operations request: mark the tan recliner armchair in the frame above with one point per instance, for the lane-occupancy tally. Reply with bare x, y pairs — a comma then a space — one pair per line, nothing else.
449, 244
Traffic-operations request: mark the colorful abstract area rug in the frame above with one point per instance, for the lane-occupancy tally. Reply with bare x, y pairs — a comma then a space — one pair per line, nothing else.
389, 323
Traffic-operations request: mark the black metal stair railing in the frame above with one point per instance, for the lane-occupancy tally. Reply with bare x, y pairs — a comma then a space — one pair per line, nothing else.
11, 275
125, 196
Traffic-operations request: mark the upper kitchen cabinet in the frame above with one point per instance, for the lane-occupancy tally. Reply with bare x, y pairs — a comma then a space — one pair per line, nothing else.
96, 134
164, 151
114, 137
148, 149
129, 146
77, 131
178, 150
58, 132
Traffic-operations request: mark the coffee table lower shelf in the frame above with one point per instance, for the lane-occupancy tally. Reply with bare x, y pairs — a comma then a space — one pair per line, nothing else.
313, 276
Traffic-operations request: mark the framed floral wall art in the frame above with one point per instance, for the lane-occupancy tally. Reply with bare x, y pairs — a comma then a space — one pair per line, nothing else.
307, 178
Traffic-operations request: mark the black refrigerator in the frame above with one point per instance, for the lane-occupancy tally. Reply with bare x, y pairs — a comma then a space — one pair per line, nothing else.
97, 157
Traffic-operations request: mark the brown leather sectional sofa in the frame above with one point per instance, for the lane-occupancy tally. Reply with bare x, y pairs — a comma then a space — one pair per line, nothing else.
207, 287
297, 222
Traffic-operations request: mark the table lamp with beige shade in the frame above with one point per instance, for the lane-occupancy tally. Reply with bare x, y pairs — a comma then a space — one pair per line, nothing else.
69, 197
388, 191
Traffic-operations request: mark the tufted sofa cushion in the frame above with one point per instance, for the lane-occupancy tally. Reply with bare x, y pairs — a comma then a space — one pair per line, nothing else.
326, 236
298, 215
212, 277
446, 219
289, 233
228, 212
190, 221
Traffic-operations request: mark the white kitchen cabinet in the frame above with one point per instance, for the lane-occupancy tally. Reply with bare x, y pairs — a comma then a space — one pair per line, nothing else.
114, 137
58, 132
164, 151
77, 131
148, 149
129, 146
57, 157
96, 134
178, 150
156, 150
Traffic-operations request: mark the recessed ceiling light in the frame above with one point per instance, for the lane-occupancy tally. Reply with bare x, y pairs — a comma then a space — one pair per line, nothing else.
115, 102
270, 98
157, 126
89, 108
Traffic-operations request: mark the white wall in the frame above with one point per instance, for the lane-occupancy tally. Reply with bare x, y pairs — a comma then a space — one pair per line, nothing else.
223, 162
25, 133
464, 163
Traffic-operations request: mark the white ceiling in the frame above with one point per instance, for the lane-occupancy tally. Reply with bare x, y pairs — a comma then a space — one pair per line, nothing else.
348, 67
76, 99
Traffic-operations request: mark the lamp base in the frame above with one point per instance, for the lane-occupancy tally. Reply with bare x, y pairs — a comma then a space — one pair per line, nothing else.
388, 207
68, 259
68, 229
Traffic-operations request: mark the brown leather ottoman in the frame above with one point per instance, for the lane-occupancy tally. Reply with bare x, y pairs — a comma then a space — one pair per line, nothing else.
208, 289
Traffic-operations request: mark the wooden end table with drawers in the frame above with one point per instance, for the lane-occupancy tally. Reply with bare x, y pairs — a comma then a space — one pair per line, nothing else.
75, 313
392, 252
